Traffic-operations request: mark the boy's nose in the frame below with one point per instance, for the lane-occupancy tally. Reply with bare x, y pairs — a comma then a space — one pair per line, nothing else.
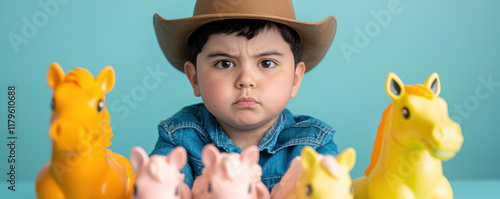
245, 83
246, 79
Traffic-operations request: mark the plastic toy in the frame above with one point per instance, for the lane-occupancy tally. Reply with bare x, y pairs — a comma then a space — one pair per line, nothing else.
317, 176
230, 175
414, 136
159, 176
81, 165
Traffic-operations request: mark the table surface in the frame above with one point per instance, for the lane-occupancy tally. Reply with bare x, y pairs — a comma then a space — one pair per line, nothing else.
462, 189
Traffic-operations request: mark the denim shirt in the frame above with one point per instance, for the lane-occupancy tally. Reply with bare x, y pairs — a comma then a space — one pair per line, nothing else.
194, 126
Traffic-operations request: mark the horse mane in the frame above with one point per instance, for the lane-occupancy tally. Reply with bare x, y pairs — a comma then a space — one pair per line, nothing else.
377, 146
107, 128
419, 90
79, 76
82, 77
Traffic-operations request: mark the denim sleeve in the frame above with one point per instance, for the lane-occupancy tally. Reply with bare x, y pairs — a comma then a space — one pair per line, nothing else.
167, 143
329, 148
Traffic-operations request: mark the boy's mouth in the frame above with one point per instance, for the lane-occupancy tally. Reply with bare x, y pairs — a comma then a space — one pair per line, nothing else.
246, 101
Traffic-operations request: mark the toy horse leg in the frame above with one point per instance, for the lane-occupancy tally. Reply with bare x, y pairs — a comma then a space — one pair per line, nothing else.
46, 185
399, 191
443, 190
115, 180
387, 185
129, 172
359, 187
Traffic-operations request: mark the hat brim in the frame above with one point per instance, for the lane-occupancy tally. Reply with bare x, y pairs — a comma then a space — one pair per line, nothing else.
172, 35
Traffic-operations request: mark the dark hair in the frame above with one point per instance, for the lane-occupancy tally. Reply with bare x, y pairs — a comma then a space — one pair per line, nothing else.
248, 28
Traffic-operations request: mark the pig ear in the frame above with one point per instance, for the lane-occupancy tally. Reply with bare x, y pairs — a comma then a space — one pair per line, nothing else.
250, 155
309, 158
177, 157
210, 155
348, 158
55, 75
138, 157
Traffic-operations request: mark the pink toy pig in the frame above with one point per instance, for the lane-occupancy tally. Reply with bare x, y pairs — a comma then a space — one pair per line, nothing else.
230, 175
159, 176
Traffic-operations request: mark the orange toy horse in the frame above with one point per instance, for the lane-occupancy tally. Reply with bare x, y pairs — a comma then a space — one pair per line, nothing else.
81, 165
415, 135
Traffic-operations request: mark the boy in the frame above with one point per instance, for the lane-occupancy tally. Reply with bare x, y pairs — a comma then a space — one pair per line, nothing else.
245, 61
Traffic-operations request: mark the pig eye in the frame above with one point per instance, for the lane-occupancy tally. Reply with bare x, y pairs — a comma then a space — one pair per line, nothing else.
309, 190
209, 187
177, 190
249, 189
135, 190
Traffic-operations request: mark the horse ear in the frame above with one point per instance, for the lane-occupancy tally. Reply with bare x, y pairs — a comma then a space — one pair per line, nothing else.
210, 155
309, 158
106, 79
250, 155
347, 158
138, 157
394, 86
433, 83
178, 157
55, 75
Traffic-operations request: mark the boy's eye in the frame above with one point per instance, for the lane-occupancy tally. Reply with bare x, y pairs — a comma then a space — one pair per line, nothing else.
267, 64
224, 64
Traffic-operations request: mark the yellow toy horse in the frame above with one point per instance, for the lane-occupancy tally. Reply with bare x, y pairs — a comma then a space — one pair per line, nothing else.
315, 176
414, 136
81, 165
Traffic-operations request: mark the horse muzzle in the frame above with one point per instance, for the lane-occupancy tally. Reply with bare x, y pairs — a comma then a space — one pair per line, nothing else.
446, 140
69, 137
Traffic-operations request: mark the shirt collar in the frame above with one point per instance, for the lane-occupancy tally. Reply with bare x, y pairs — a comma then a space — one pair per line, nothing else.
216, 133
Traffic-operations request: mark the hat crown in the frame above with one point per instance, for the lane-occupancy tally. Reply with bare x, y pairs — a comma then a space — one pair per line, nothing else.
279, 8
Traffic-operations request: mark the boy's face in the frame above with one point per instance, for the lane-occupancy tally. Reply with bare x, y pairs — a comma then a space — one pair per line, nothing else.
244, 83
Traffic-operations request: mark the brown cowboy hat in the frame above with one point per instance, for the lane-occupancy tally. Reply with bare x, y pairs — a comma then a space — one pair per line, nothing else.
173, 34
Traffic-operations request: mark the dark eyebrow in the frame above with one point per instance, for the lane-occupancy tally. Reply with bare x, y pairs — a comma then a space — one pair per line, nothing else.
264, 54
270, 53
219, 54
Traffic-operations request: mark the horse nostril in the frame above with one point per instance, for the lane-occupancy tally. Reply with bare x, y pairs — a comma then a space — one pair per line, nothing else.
438, 133
55, 131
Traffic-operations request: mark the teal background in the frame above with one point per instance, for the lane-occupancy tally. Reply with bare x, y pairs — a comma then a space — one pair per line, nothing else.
458, 39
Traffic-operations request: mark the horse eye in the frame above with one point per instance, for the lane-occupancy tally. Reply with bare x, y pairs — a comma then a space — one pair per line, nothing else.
309, 190
351, 190
100, 105
135, 190
249, 189
177, 190
406, 113
53, 104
